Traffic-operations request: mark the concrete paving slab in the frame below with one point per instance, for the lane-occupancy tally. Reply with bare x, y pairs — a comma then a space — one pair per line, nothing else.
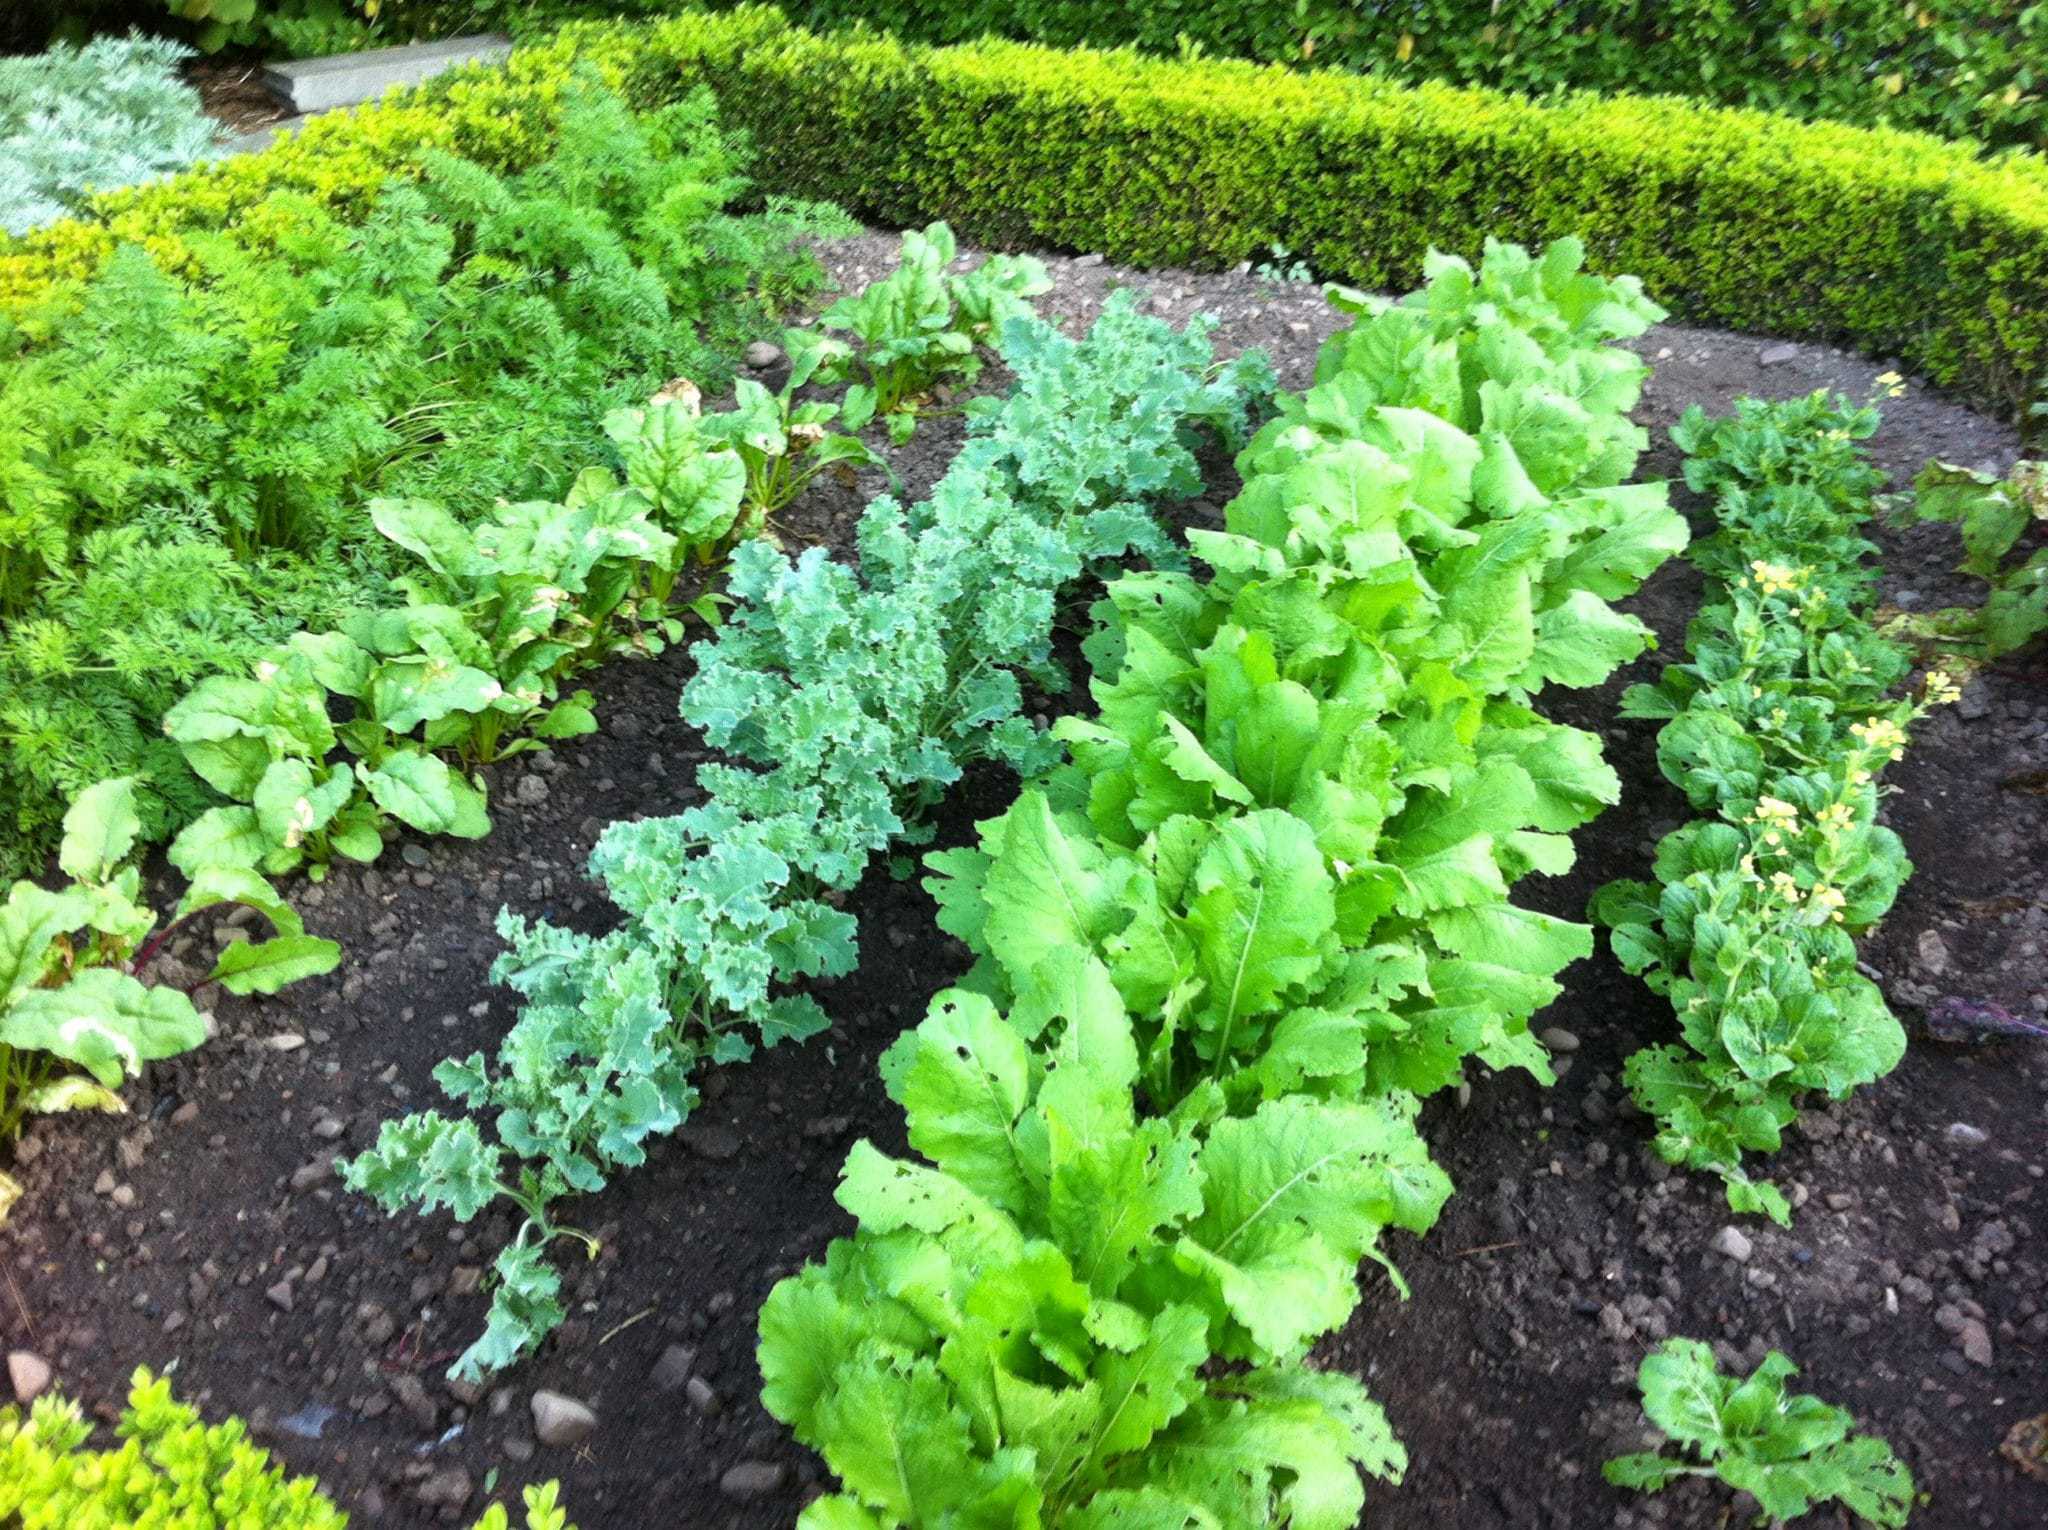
345, 79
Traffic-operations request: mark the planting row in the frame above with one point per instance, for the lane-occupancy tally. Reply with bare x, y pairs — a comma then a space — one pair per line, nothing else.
470, 669
189, 443
1779, 725
1228, 944
849, 700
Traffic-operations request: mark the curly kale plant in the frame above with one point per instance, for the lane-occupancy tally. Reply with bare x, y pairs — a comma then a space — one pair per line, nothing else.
79, 120
1779, 725
171, 1469
1792, 1454
848, 699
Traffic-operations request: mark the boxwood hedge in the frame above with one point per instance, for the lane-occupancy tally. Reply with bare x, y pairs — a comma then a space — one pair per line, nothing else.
1895, 242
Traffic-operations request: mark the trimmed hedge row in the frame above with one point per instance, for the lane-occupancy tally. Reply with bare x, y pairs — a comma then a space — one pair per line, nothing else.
1963, 68
1895, 242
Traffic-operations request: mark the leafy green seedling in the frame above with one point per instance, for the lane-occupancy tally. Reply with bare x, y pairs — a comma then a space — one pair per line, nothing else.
1789, 1453
1993, 514
915, 327
70, 993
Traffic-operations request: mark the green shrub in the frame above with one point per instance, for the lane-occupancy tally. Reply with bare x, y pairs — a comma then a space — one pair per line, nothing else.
171, 1470
107, 115
1895, 242
1963, 68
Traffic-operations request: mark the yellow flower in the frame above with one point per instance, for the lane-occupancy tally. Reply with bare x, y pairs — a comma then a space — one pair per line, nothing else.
1828, 900
1941, 689
1836, 816
1776, 810
1774, 578
1784, 886
1881, 735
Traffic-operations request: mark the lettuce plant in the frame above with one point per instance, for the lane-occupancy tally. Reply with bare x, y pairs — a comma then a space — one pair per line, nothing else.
1792, 1454
1291, 829
914, 328
1228, 944
847, 699
1034, 1318
1778, 725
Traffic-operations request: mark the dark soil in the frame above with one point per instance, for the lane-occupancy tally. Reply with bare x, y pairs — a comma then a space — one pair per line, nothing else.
206, 1231
231, 91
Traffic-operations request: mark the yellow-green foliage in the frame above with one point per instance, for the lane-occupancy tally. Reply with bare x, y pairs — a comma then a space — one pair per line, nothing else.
171, 1472
1894, 241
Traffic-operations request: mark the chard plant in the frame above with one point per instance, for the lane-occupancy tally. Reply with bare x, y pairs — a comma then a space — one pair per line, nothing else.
782, 444
1995, 515
847, 700
1778, 725
72, 995
1791, 1453
915, 328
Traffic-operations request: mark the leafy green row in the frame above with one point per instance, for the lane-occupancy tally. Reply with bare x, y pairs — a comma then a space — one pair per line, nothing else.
1226, 948
1778, 726
172, 1470
470, 669
186, 451
849, 699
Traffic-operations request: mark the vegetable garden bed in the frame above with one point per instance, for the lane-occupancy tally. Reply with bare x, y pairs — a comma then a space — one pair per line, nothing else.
1912, 1287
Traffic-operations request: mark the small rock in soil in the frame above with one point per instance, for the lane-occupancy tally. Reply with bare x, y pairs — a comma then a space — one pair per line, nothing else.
414, 855
1558, 1039
1975, 1341
30, 1374
1933, 952
448, 1487
307, 1175
702, 1397
280, 1296
717, 1143
531, 791
750, 1480
412, 1396
1734, 1243
761, 355
1777, 355
673, 1368
1962, 1134
560, 1420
